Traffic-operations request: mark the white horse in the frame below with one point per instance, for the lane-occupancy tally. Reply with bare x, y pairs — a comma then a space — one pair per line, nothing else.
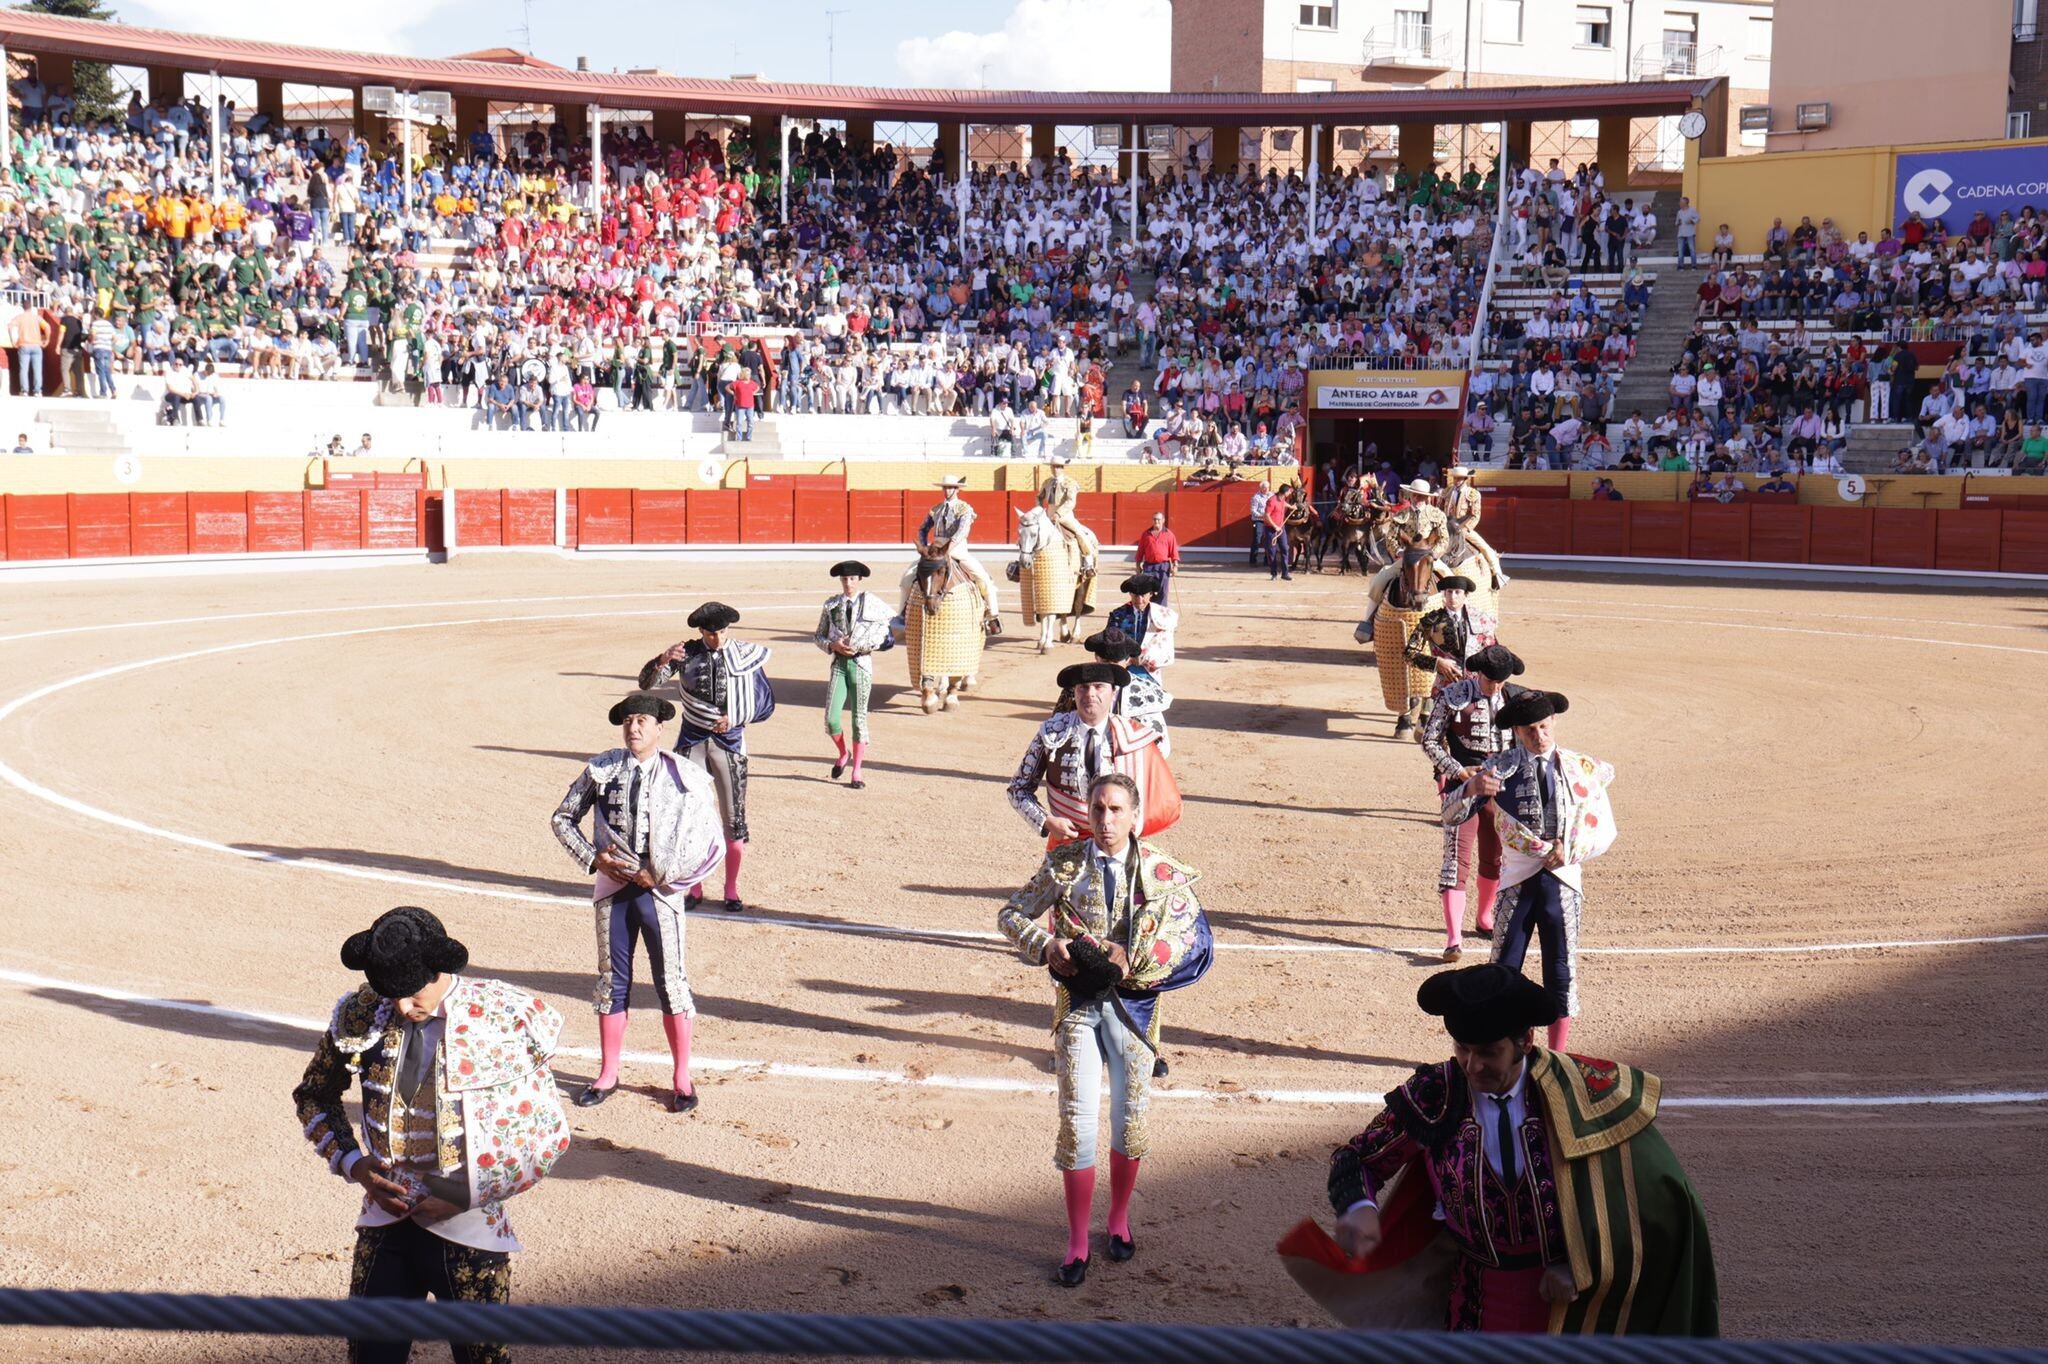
1055, 592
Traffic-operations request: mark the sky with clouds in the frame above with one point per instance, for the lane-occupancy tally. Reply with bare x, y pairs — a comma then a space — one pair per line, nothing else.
1000, 44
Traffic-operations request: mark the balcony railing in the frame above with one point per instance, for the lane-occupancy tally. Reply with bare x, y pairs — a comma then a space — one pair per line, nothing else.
1675, 61
1412, 45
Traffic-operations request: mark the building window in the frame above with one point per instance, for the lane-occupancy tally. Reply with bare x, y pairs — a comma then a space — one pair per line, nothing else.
1411, 30
2026, 20
1504, 21
2019, 123
1760, 39
1596, 26
1314, 85
1319, 16
1681, 44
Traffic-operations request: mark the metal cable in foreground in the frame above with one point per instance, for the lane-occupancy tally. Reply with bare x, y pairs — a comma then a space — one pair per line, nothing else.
784, 1333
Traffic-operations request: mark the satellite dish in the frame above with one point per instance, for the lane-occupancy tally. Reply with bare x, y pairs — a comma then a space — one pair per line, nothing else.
127, 469
712, 471
1851, 487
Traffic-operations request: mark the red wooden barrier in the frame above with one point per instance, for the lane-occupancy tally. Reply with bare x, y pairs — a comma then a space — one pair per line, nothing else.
479, 518
991, 516
572, 527
528, 516
1235, 514
1901, 538
1597, 528
659, 516
1780, 534
277, 523
1193, 518
1841, 535
158, 523
390, 518
2023, 542
604, 516
821, 515
874, 515
1720, 531
767, 514
220, 523
1134, 513
1499, 523
1656, 530
714, 516
1097, 511
1543, 526
334, 518
38, 526
912, 516
1967, 540
99, 526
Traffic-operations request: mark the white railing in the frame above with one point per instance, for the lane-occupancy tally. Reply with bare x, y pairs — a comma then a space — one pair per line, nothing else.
1411, 45
1675, 61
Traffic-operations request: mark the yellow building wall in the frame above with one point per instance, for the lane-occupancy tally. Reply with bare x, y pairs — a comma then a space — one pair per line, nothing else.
1852, 185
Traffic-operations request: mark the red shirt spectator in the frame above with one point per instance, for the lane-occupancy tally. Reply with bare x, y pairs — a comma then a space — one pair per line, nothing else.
743, 390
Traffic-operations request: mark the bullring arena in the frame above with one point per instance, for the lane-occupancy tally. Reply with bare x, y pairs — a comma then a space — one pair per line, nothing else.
1812, 927
381, 416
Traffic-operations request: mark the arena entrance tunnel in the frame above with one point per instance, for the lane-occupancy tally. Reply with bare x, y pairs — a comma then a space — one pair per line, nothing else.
1362, 417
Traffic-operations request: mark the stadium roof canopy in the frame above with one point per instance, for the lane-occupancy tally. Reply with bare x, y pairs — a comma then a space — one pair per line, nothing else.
527, 80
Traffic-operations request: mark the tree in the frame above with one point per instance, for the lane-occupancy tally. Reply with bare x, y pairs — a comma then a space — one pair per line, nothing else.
92, 83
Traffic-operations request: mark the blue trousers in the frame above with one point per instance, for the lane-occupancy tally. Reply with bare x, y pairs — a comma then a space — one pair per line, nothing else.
622, 921
1548, 909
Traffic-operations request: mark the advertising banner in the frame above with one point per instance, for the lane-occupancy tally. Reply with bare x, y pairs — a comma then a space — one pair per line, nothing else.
1413, 392
1954, 186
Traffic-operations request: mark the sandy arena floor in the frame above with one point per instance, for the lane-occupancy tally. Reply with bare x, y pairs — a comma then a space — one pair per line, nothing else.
210, 782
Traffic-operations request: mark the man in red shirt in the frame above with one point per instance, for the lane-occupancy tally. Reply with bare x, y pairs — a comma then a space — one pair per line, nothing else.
1158, 554
1280, 551
744, 392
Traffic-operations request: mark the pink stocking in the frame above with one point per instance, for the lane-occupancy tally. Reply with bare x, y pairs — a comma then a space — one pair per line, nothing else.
1559, 1031
1080, 1198
1489, 890
1123, 1182
735, 853
839, 742
678, 1026
860, 753
1454, 917
611, 1040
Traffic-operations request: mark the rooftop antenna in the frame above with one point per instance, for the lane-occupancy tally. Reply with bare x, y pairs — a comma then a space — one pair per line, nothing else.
525, 29
832, 40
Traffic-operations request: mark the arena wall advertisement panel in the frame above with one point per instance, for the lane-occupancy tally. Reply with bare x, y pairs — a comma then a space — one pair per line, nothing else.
1953, 186
1412, 393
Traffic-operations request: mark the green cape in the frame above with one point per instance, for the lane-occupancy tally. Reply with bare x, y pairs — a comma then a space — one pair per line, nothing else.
1634, 1227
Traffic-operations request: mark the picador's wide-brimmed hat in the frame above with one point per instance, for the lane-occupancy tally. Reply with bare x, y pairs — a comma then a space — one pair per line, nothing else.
1531, 707
1419, 486
1483, 1004
953, 481
401, 952
713, 615
1078, 674
850, 568
643, 703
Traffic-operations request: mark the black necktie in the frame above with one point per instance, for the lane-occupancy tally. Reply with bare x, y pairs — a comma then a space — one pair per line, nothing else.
633, 812
1547, 782
1507, 1141
1094, 755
